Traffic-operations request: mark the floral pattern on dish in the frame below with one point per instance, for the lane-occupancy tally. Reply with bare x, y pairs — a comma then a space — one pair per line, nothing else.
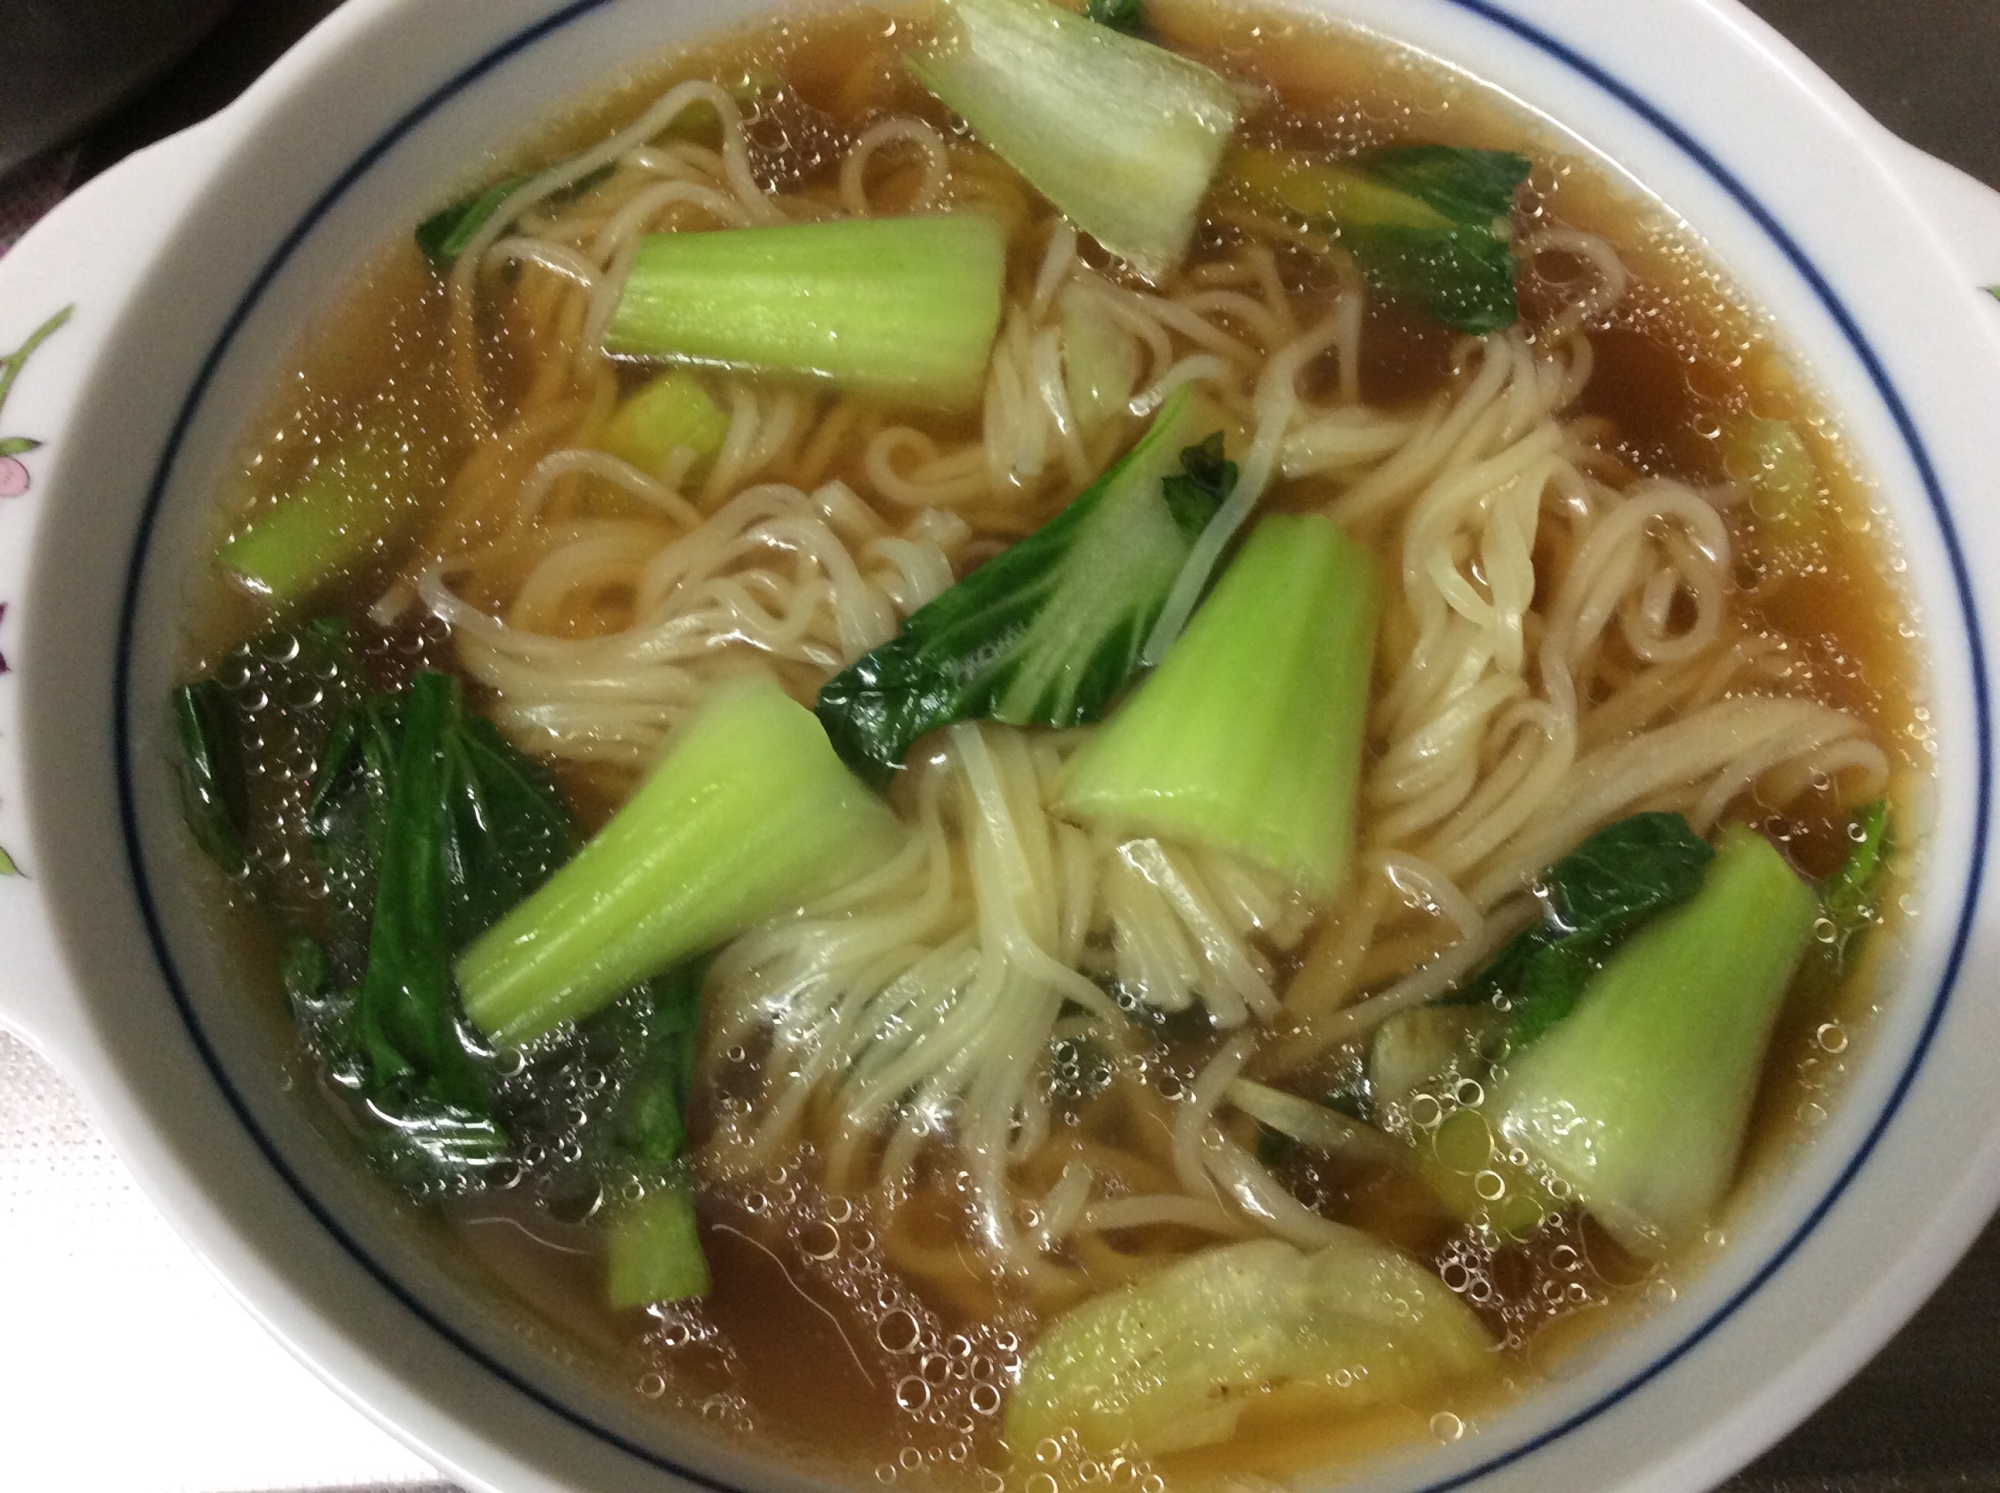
15, 479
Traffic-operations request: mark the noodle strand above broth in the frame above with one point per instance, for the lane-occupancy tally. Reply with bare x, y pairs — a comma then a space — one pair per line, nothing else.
1163, 841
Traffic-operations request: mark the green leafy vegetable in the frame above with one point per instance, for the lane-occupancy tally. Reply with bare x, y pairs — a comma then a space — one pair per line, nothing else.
1102, 360
1771, 458
674, 412
449, 233
1851, 894
1468, 1169
1428, 224
1592, 896
1640, 1099
749, 812
1247, 739
429, 827
1122, 136
1172, 1361
290, 684
1425, 1051
655, 1251
211, 772
900, 308
648, 1122
1048, 631
1120, 15
356, 503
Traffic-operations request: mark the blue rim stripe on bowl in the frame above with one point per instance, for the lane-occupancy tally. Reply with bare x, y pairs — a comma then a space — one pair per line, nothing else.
1627, 96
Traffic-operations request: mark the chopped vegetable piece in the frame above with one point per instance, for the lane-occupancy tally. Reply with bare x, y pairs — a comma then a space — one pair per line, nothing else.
1325, 1130
749, 813
648, 1129
655, 1251
239, 820
1640, 1098
1048, 631
445, 235
211, 771
1171, 1362
355, 504
1466, 1167
1122, 136
1428, 224
1423, 1051
449, 233
1593, 896
1850, 895
428, 826
901, 308
672, 412
1772, 458
1248, 738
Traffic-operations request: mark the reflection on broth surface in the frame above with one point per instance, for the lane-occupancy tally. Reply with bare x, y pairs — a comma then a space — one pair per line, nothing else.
1025, 843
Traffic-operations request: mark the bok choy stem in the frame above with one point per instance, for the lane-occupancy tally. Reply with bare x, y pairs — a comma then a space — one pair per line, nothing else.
749, 813
901, 308
1248, 737
1639, 1098
1122, 136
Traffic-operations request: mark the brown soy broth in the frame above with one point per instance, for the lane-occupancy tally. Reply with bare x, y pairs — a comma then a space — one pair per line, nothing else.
802, 1352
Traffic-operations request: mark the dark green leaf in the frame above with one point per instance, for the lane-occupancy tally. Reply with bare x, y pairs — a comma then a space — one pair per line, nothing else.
1592, 898
447, 234
350, 817
1429, 225
1048, 631
428, 828
649, 1115
1463, 275
1119, 15
409, 1018
211, 771
287, 687
509, 829
19, 445
1472, 187
1203, 484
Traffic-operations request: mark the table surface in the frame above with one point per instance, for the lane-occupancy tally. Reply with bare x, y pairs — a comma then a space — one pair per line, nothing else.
1923, 1417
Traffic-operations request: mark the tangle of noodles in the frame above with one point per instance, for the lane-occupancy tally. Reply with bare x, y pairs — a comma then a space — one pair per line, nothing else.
918, 1008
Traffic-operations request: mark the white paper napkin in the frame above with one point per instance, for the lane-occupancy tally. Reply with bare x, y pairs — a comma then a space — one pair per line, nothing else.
124, 1365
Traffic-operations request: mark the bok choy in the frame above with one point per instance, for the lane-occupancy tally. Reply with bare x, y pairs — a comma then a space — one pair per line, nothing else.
1639, 1099
1122, 136
1591, 898
1048, 631
749, 813
1428, 224
900, 308
355, 504
1248, 737
1172, 1361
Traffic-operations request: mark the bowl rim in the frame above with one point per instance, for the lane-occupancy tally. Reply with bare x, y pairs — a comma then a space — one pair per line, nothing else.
127, 740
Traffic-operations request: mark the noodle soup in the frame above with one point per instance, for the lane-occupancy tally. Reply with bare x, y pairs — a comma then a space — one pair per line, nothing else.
1182, 777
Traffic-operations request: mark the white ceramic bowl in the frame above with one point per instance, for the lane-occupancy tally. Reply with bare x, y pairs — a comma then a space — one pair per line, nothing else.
192, 268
